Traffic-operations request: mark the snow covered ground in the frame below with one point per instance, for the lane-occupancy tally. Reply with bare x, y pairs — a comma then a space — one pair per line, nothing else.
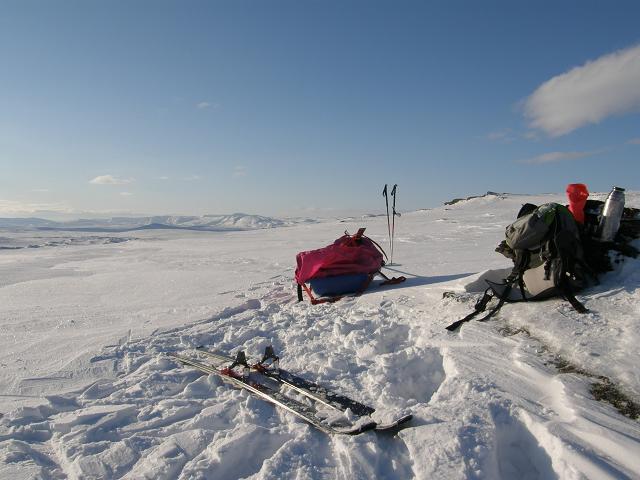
86, 390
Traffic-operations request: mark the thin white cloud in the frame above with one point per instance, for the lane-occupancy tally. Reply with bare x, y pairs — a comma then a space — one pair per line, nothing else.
40, 190
16, 208
205, 105
239, 171
553, 157
609, 85
57, 211
110, 180
192, 178
504, 135
164, 177
634, 141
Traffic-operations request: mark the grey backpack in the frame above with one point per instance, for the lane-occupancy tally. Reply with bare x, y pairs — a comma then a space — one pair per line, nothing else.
548, 260
547, 253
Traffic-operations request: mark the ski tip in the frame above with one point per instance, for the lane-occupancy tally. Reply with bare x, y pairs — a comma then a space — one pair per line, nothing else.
368, 426
405, 419
364, 427
396, 424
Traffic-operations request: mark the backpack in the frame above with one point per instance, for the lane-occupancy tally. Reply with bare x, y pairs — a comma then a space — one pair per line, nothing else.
545, 245
346, 266
546, 248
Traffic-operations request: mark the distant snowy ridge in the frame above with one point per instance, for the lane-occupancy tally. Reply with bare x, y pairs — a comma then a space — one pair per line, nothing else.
25, 223
457, 200
505, 195
236, 221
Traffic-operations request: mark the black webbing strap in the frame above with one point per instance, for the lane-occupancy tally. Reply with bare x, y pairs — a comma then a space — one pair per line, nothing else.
521, 285
240, 361
499, 305
481, 306
571, 298
269, 354
391, 281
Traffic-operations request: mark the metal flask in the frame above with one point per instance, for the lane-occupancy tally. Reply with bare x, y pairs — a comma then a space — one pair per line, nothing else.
611, 215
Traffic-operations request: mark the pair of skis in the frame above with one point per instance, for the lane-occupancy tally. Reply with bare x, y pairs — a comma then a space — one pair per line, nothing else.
264, 379
391, 221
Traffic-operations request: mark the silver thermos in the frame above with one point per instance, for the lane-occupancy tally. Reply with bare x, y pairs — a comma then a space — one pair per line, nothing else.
611, 215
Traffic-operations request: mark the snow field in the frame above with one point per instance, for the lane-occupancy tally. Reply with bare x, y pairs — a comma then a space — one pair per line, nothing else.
488, 402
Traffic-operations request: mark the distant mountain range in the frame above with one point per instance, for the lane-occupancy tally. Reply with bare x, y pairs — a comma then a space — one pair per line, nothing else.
236, 221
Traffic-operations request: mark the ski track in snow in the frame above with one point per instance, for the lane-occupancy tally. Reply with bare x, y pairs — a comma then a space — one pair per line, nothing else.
485, 406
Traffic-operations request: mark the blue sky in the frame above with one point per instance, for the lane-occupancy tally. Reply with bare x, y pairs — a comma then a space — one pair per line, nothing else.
310, 107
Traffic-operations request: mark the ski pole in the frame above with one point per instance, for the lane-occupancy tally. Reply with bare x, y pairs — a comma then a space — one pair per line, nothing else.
386, 198
393, 222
